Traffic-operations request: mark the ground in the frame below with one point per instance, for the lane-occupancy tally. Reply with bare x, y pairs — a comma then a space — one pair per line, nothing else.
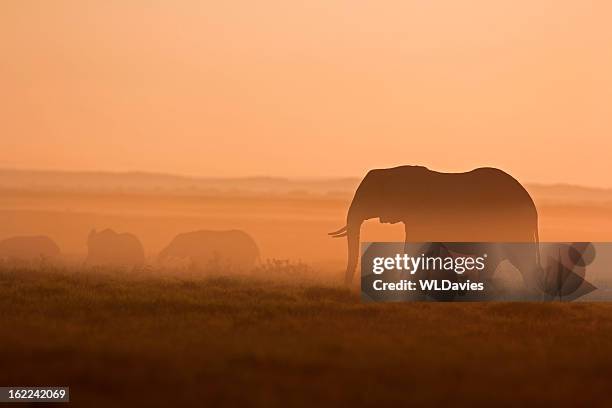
154, 338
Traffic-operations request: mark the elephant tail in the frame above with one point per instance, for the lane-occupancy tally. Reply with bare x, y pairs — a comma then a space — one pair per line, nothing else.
339, 233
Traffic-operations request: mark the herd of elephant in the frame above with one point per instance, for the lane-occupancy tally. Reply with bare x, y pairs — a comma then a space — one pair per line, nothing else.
481, 205
234, 248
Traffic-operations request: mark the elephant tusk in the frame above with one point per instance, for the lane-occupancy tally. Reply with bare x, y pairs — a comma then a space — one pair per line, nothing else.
340, 231
344, 234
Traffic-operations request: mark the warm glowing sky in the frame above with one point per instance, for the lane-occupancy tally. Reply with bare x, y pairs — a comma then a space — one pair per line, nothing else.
308, 88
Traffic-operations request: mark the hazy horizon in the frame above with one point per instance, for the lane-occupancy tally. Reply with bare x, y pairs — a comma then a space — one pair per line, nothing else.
272, 177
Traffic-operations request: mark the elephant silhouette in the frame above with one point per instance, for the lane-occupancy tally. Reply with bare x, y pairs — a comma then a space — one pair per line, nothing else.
233, 247
482, 205
28, 248
109, 248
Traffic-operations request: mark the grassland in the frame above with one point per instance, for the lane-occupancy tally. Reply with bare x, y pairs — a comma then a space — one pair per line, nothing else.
289, 339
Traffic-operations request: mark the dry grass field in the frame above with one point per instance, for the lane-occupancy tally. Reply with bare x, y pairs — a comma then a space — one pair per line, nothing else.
284, 336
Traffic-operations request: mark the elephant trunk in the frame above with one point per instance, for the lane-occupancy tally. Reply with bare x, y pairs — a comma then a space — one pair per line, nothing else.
352, 233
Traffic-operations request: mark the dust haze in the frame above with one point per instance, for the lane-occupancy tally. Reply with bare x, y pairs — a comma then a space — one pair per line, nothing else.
287, 218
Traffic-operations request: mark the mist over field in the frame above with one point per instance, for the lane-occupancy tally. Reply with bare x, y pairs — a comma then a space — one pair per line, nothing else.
289, 219
286, 331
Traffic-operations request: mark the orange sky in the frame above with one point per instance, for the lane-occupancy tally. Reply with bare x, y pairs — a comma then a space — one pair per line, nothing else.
308, 89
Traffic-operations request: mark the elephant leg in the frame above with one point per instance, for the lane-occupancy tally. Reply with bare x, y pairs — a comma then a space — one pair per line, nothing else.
523, 256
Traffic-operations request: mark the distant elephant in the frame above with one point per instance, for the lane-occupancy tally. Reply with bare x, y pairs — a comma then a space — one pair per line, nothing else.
110, 248
28, 248
233, 247
482, 205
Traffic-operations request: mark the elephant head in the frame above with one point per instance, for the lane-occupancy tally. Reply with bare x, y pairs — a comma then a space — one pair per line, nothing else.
375, 198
